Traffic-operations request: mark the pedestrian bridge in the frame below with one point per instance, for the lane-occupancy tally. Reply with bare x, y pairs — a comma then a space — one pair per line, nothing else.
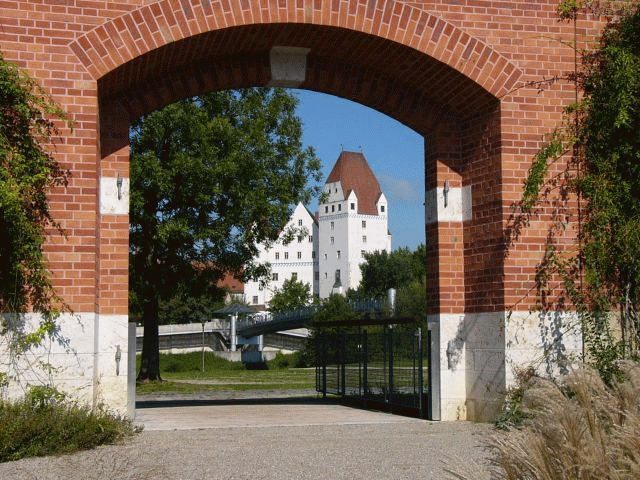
267, 322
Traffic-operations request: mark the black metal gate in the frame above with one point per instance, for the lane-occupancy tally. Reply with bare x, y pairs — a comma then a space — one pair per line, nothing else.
380, 367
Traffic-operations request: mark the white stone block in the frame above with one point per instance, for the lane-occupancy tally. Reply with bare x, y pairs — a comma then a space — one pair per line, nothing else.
288, 66
114, 196
451, 204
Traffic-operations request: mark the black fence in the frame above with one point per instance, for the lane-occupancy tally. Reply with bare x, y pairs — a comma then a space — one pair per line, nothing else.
382, 367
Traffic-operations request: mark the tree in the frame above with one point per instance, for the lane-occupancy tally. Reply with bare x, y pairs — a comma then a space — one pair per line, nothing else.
28, 172
335, 307
382, 270
601, 132
212, 178
292, 296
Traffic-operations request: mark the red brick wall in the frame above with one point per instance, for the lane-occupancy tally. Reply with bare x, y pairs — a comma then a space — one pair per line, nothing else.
459, 65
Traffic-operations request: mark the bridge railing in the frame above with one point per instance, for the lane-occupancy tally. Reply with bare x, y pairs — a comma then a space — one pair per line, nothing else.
374, 305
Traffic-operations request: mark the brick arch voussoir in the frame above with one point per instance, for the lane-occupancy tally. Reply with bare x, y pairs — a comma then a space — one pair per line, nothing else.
152, 26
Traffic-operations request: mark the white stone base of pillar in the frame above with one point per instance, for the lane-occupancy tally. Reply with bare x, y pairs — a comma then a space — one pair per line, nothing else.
87, 359
480, 353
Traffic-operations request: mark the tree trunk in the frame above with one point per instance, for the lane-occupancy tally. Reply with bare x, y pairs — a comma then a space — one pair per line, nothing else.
150, 359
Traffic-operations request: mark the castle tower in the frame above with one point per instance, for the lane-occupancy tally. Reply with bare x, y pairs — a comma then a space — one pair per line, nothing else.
352, 221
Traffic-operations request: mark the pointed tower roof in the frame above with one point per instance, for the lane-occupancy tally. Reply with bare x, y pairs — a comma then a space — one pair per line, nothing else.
355, 175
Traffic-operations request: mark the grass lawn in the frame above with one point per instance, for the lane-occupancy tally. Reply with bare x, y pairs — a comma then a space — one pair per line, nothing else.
182, 373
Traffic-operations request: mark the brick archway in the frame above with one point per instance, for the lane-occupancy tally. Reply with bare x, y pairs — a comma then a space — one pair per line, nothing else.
457, 74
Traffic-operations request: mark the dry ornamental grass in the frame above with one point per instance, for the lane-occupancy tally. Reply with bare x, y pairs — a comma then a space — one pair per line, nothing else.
579, 429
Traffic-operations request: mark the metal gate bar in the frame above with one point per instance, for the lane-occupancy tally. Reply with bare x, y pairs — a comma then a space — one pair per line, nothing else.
379, 368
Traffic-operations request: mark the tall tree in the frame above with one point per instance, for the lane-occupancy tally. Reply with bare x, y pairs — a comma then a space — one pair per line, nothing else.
294, 294
212, 178
28, 172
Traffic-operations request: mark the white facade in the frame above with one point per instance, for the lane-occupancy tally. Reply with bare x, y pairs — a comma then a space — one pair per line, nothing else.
297, 258
345, 236
352, 220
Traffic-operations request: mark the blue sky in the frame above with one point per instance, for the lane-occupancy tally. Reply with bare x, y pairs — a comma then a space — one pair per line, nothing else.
394, 152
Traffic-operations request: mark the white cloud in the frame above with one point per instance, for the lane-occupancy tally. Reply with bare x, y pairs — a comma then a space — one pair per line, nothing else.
401, 190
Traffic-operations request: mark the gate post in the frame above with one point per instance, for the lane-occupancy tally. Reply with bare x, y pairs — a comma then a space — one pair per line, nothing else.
433, 345
420, 373
365, 364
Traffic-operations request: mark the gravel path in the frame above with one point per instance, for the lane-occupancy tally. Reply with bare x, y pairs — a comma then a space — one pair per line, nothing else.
262, 438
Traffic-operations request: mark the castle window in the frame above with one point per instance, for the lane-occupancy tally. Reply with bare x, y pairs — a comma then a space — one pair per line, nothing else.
337, 275
299, 255
277, 255
333, 208
338, 253
332, 225
310, 238
286, 255
332, 240
339, 207
274, 277
255, 299
364, 239
299, 238
300, 222
325, 256
382, 208
362, 252
364, 224
294, 276
326, 209
353, 206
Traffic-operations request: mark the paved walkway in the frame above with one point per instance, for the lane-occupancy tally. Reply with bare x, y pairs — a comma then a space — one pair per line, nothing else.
269, 439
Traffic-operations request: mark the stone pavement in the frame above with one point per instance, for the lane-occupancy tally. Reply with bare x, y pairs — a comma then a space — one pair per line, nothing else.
268, 439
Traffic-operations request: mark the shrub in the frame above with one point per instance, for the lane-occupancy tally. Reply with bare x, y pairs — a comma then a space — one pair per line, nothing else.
281, 360
580, 429
37, 427
299, 359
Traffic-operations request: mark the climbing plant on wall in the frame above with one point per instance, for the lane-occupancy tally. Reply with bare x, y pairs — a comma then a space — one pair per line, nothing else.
28, 172
601, 134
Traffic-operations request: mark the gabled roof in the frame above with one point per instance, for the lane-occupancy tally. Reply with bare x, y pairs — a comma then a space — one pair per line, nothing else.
354, 174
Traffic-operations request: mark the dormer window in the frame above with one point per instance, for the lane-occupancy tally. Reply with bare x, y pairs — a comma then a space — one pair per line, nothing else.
353, 206
382, 208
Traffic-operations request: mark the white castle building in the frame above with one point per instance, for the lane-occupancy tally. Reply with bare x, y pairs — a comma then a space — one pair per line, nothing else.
352, 220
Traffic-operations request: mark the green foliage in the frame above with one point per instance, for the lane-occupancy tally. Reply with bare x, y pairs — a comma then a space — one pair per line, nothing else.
212, 177
300, 359
192, 362
513, 412
38, 426
382, 270
41, 395
28, 172
600, 279
610, 184
335, 307
293, 295
411, 300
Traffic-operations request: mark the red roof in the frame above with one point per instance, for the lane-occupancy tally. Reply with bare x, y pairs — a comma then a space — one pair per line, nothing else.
231, 284
355, 174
